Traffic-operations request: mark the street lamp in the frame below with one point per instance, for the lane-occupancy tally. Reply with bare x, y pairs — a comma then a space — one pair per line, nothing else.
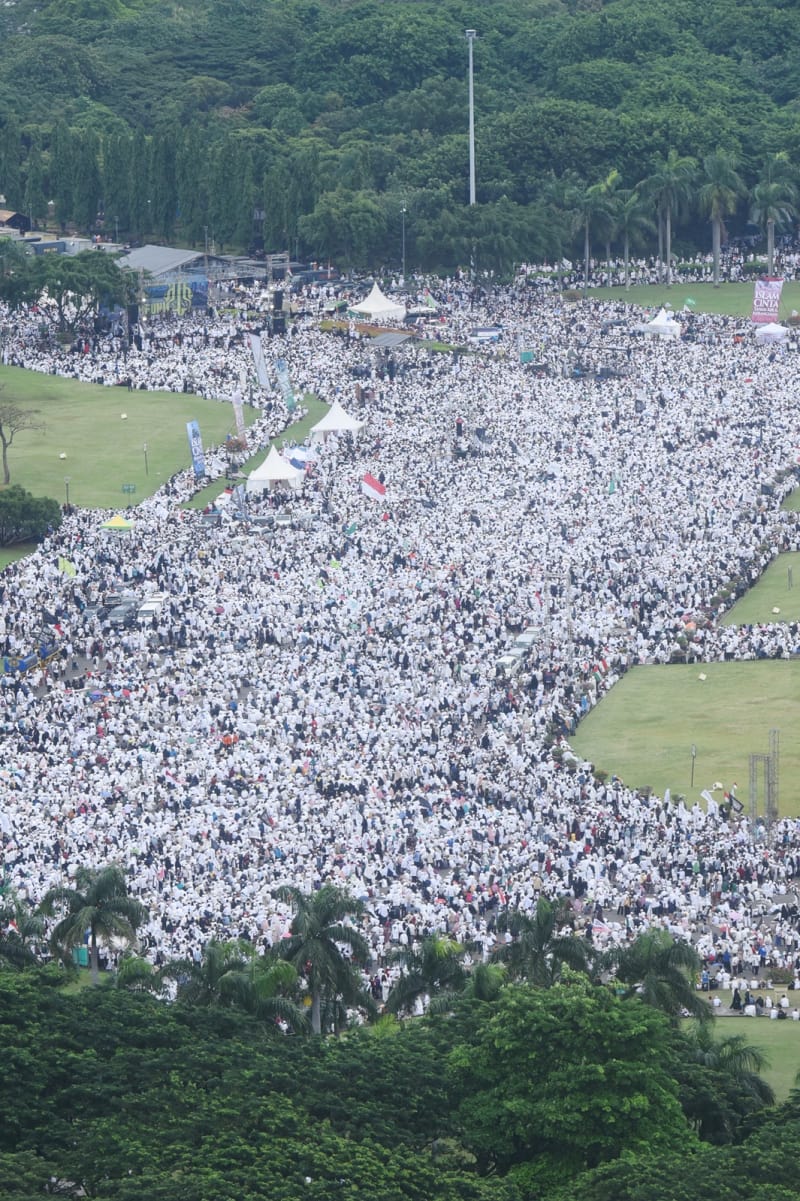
403, 214
67, 478
471, 35
146, 467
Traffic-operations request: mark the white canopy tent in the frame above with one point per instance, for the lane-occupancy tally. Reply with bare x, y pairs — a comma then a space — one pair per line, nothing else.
274, 470
663, 325
335, 421
379, 307
771, 332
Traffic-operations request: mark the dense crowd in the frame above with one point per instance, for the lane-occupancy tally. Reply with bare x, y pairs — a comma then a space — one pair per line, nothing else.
322, 702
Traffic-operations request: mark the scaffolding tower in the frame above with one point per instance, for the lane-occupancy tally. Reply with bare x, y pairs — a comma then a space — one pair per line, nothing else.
766, 768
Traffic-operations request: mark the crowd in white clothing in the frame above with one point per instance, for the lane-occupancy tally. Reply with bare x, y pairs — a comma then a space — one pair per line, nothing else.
323, 703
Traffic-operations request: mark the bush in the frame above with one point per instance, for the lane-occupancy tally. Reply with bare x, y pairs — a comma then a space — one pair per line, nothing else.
26, 518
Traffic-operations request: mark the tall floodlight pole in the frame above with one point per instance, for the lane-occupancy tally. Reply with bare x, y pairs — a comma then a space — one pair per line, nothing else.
471, 35
403, 247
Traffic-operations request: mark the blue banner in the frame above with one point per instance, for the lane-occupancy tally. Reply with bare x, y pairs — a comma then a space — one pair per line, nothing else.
196, 448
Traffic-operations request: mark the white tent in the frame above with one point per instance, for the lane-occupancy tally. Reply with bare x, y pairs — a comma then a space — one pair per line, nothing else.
379, 307
335, 421
771, 333
274, 470
663, 325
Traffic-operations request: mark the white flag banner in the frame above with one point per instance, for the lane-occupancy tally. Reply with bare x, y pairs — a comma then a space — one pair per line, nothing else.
766, 300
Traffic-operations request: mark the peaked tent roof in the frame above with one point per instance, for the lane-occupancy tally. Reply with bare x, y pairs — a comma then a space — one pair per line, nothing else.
273, 470
336, 421
117, 522
378, 305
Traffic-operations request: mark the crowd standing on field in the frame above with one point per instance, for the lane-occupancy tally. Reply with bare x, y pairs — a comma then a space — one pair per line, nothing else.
321, 702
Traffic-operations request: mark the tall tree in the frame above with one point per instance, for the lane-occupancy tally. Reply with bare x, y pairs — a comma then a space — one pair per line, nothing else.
432, 969
317, 937
589, 205
98, 906
774, 201
633, 221
538, 947
670, 185
21, 932
14, 419
660, 970
721, 187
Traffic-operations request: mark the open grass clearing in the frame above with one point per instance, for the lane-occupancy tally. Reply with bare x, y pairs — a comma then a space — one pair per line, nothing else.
777, 588
644, 729
10, 554
104, 450
729, 300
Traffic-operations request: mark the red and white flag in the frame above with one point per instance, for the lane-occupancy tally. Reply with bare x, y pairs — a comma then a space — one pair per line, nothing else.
372, 487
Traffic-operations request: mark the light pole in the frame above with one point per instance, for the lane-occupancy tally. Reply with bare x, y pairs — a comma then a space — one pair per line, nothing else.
116, 231
146, 467
471, 35
67, 478
403, 215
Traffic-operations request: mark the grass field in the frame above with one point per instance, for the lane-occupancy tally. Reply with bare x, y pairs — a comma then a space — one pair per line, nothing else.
730, 300
772, 591
10, 554
644, 729
780, 1042
103, 451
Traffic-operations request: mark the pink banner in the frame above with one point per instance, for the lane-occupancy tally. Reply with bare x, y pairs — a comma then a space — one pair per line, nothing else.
767, 299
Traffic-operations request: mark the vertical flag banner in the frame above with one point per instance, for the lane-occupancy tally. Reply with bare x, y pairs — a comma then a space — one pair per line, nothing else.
284, 383
238, 414
67, 567
196, 448
258, 360
767, 299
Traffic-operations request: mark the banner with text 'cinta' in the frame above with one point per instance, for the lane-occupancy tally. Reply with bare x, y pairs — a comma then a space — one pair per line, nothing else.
767, 299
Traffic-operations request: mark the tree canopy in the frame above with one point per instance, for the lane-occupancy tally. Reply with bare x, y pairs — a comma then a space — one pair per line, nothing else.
328, 118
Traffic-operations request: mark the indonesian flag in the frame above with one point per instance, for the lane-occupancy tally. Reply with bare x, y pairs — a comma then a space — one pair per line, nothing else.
372, 487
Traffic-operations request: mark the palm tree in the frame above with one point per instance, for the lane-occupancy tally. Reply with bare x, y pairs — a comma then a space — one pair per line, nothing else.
21, 930
537, 951
718, 195
434, 969
660, 969
485, 981
670, 187
590, 205
722, 1082
774, 201
264, 987
211, 979
138, 975
98, 904
632, 216
316, 937
734, 1057
557, 194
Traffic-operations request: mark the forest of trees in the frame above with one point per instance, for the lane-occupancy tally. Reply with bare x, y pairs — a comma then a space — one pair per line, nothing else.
630, 120
548, 1073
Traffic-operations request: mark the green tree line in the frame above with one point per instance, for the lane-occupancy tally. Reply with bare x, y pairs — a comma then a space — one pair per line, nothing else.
189, 122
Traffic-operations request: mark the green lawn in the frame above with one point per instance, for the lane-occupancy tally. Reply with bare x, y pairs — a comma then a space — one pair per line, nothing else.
644, 729
104, 451
772, 591
780, 1042
295, 433
730, 300
10, 554
792, 502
